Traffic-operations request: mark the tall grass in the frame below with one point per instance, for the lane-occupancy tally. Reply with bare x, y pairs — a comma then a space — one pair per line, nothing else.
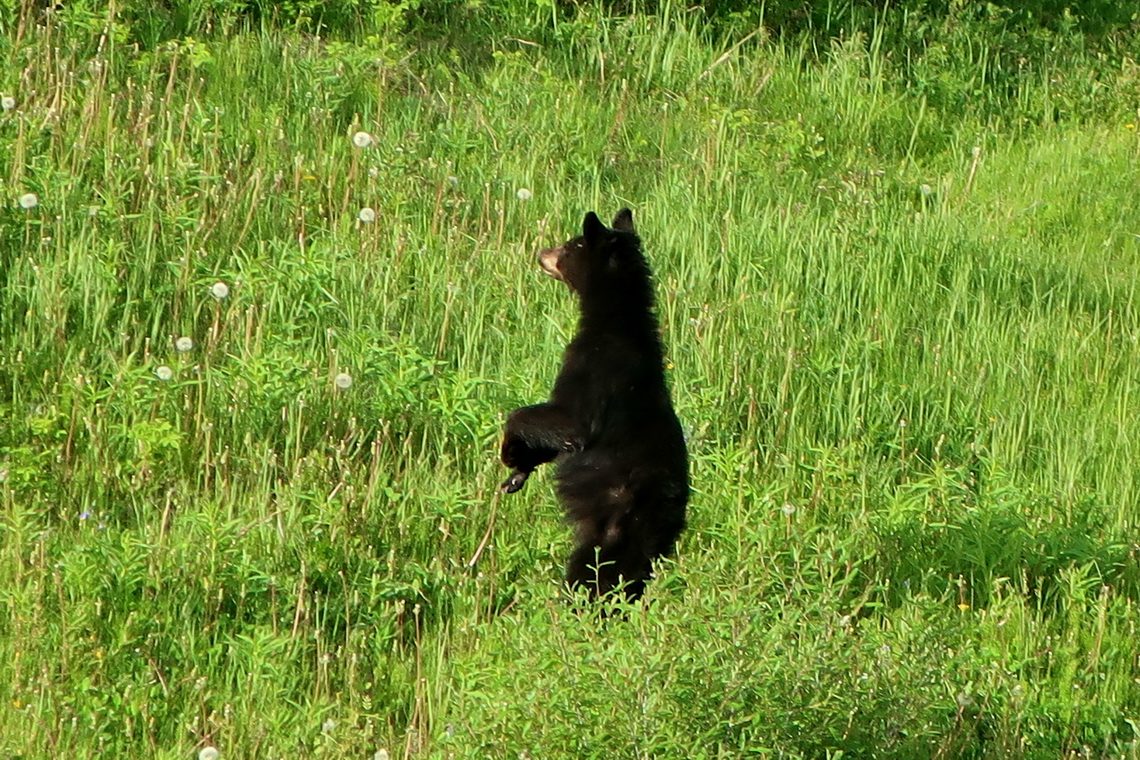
902, 338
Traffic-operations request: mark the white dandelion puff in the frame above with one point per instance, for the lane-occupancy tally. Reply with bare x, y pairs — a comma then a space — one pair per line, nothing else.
328, 726
381, 754
343, 380
362, 139
219, 290
7, 102
926, 190
524, 194
164, 373
184, 344
29, 201
208, 753
788, 509
367, 214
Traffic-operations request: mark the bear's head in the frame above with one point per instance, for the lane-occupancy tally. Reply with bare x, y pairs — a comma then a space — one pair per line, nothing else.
602, 261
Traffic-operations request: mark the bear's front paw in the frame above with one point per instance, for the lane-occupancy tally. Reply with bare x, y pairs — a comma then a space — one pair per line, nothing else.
515, 482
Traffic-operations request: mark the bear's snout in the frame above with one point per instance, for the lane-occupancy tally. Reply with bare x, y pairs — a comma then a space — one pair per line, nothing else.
548, 259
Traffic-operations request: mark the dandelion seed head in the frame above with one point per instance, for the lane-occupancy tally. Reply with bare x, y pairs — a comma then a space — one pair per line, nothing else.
343, 380
184, 344
925, 189
208, 753
163, 372
788, 509
328, 726
219, 290
523, 194
362, 139
7, 102
381, 754
29, 201
367, 214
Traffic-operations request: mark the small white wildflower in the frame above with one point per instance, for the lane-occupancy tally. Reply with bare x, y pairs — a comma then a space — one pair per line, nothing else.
29, 201
964, 700
7, 102
381, 754
788, 509
219, 290
524, 194
453, 180
925, 189
208, 753
328, 726
976, 151
373, 172
367, 214
162, 372
362, 139
343, 381
184, 344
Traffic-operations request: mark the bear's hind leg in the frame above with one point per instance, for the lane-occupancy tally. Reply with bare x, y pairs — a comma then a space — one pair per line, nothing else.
603, 563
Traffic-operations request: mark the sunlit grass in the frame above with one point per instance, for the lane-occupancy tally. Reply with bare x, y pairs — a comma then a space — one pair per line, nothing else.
264, 301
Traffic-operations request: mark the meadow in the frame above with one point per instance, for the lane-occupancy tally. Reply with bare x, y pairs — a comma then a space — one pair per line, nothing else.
267, 295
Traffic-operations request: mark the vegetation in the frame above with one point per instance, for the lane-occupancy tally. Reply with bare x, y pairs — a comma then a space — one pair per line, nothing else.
267, 290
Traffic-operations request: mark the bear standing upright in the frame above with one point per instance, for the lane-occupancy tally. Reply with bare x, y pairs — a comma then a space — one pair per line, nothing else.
622, 467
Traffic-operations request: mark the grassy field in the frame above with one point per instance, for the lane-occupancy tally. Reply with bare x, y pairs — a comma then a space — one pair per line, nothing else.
248, 430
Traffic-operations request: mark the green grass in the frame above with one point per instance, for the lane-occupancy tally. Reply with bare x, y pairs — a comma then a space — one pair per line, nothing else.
907, 371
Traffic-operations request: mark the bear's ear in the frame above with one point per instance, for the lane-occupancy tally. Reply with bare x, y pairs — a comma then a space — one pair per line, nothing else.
623, 222
592, 227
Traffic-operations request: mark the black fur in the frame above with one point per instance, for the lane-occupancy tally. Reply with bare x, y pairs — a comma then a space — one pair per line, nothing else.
622, 467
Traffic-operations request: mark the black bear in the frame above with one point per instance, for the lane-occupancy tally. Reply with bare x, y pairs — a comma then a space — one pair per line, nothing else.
622, 467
